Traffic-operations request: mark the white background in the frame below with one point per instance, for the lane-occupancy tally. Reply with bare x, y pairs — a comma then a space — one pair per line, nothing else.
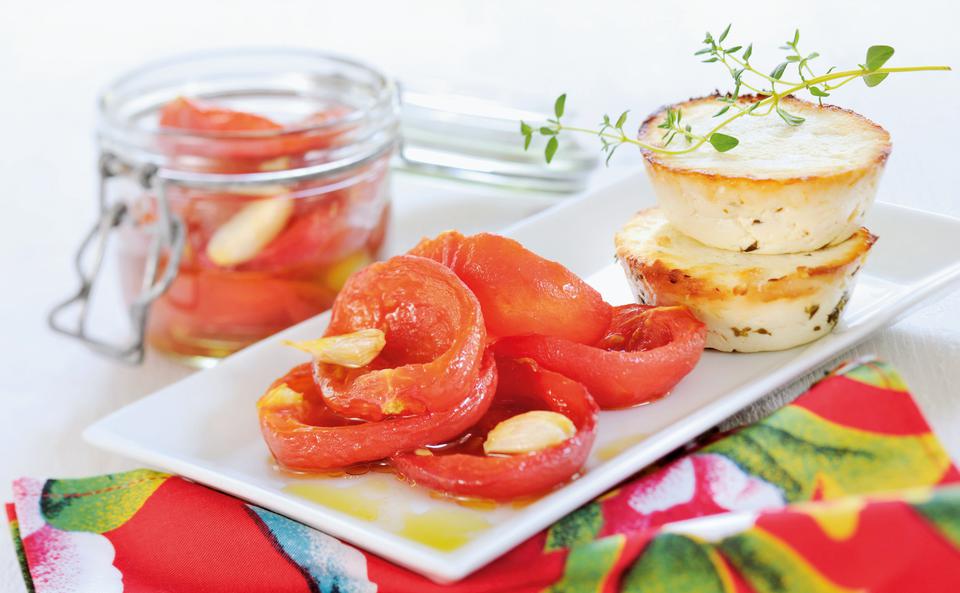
608, 56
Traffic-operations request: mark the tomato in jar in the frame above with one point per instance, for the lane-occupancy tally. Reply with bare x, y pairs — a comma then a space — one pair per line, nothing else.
258, 257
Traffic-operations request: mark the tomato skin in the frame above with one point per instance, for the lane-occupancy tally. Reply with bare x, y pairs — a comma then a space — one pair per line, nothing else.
310, 437
509, 477
435, 340
519, 291
196, 116
645, 353
238, 152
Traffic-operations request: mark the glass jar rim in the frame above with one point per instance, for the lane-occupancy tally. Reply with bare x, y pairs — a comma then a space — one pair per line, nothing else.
128, 133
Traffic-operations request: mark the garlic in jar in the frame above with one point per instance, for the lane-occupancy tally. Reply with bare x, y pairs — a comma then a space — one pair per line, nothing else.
248, 231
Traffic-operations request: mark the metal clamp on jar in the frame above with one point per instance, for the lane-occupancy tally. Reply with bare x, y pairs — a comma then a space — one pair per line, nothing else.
245, 187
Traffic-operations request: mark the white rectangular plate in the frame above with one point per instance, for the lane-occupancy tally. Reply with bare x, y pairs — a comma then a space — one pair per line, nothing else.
205, 427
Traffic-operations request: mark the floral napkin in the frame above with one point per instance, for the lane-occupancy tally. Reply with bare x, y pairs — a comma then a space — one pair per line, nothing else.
844, 490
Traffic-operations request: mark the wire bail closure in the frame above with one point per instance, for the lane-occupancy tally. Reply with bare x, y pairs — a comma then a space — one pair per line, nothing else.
168, 237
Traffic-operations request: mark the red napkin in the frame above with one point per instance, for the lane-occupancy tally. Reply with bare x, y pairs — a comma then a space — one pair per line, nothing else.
846, 489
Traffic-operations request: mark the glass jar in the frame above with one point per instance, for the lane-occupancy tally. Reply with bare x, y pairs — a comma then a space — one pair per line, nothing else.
246, 187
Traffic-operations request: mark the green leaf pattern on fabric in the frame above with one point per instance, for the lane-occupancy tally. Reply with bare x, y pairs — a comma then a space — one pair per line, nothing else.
943, 510
771, 566
878, 374
579, 527
97, 504
800, 452
672, 563
21, 556
588, 566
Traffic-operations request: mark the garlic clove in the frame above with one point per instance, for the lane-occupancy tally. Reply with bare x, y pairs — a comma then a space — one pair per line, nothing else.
280, 163
248, 231
352, 350
529, 432
279, 397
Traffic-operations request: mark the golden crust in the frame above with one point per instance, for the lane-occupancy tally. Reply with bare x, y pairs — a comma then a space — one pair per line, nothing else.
668, 164
669, 263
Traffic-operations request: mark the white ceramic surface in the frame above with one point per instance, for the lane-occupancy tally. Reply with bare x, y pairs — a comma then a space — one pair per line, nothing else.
205, 427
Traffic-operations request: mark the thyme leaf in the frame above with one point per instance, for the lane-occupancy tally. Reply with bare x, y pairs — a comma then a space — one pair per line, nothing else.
769, 90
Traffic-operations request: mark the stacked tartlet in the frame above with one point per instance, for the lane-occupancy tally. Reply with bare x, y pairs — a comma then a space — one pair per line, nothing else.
763, 242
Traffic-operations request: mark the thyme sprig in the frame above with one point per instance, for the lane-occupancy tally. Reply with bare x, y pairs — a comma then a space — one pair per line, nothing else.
773, 87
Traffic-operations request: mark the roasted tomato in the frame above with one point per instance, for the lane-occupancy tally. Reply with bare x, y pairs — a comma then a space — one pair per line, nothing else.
196, 116
645, 352
241, 140
505, 477
519, 291
305, 435
434, 340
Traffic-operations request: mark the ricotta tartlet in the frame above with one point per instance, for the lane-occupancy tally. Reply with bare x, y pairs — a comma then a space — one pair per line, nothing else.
749, 302
783, 189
